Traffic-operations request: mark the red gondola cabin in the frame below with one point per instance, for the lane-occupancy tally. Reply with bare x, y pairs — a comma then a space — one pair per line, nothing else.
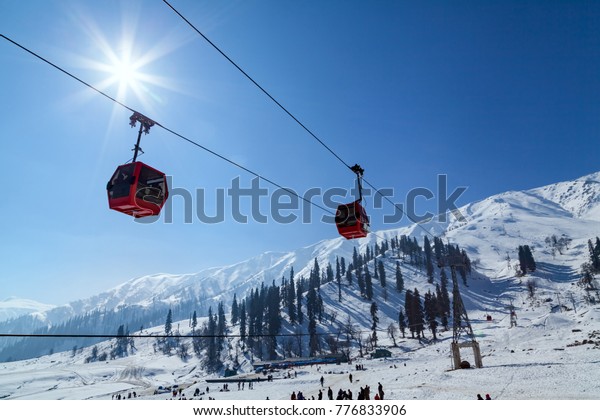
137, 189
352, 221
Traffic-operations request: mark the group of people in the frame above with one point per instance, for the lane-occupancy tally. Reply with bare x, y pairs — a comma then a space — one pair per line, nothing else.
122, 397
363, 394
487, 397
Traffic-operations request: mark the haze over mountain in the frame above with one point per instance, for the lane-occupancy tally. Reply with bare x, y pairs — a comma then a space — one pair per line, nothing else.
14, 307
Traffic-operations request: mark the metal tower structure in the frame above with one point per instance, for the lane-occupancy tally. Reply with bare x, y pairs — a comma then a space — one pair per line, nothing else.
462, 333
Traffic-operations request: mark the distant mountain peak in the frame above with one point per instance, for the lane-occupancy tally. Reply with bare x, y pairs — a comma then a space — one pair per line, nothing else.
14, 307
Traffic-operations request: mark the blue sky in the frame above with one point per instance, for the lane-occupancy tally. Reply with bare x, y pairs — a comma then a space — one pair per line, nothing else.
497, 95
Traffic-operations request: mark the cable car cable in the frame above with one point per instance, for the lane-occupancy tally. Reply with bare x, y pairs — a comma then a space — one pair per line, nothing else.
257, 84
312, 134
150, 335
170, 130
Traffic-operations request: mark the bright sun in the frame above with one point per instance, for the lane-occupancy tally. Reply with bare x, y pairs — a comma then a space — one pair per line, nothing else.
125, 63
124, 73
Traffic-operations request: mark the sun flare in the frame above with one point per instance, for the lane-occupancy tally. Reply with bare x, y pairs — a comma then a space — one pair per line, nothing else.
125, 73
127, 63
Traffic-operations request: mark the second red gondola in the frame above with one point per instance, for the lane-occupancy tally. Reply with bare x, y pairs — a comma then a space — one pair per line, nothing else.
352, 221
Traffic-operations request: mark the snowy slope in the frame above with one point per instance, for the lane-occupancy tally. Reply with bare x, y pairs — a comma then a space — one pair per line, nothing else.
544, 357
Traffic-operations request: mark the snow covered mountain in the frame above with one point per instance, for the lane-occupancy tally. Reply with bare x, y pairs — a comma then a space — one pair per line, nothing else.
490, 230
493, 228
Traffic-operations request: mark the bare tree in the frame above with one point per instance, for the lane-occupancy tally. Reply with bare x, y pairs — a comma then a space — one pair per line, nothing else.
392, 332
348, 330
370, 344
571, 297
360, 342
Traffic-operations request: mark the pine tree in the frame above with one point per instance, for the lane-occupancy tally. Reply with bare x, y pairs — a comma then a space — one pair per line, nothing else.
409, 309
312, 311
375, 320
530, 261
338, 278
440, 309
368, 284
355, 258
291, 300
259, 305
597, 255
431, 308
329, 276
250, 317
343, 265
526, 260
235, 311
466, 261
593, 261
313, 341
299, 292
382, 277
522, 262
419, 316
221, 325
273, 319
315, 276
438, 248
194, 321
375, 269
120, 349
594, 251
428, 259
399, 278
169, 323
94, 355
243, 320
349, 274
360, 280
402, 323
445, 294
212, 362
